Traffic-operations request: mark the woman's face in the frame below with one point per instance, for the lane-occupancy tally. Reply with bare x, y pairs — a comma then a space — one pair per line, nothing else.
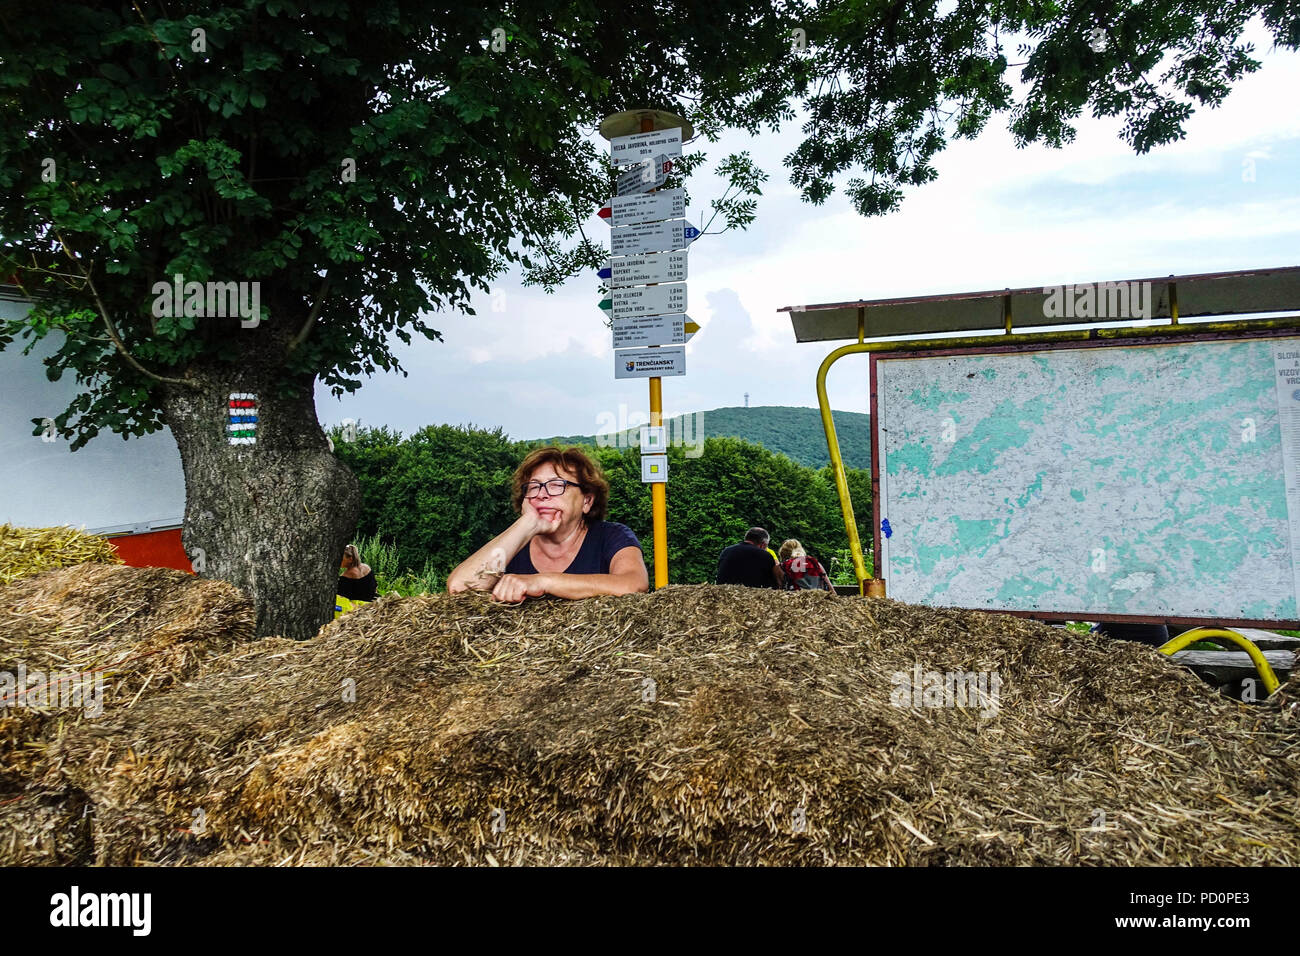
573, 503
347, 561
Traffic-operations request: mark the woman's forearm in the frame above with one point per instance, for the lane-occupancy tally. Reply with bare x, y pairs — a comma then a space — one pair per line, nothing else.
481, 569
592, 585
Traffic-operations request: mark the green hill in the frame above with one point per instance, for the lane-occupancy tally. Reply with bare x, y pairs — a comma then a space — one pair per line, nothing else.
794, 432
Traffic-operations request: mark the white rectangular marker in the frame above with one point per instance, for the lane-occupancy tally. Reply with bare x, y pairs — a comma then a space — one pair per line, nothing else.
642, 269
624, 150
649, 300
649, 207
652, 330
643, 177
667, 236
650, 363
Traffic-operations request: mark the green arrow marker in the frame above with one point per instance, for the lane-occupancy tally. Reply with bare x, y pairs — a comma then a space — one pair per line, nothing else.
607, 304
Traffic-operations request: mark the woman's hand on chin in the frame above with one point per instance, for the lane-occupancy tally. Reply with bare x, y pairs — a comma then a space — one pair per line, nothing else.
542, 523
513, 588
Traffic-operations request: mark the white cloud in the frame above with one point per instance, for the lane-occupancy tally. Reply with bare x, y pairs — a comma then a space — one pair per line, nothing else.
996, 217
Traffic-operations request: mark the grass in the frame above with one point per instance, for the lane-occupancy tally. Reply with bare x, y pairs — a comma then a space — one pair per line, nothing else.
841, 567
390, 576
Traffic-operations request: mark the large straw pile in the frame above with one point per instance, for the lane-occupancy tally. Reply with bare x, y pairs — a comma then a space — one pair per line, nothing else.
489, 734
139, 630
28, 551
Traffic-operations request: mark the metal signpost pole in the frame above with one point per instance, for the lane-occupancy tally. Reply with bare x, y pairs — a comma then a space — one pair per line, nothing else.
658, 490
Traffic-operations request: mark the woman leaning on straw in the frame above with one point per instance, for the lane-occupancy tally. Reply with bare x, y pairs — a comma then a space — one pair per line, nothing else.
560, 544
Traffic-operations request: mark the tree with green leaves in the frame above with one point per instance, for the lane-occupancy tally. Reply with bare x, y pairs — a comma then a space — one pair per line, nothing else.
216, 205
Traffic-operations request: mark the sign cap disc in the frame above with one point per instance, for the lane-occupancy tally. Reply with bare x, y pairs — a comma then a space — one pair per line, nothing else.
629, 121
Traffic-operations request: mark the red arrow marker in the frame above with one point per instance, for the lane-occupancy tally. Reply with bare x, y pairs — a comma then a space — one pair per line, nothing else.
605, 213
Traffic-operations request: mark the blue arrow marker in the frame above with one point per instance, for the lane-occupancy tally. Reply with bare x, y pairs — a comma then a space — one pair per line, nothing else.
690, 232
605, 273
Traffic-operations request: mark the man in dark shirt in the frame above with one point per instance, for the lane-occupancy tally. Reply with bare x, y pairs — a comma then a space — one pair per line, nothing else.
750, 563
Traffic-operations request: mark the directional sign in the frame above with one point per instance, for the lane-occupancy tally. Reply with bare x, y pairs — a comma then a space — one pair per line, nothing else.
624, 150
650, 363
649, 300
653, 330
629, 210
666, 236
638, 270
643, 178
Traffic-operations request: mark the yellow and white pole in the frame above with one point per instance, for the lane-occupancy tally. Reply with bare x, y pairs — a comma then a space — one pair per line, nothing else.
658, 490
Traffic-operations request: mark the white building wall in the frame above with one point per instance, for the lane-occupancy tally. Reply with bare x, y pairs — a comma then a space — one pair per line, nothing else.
109, 484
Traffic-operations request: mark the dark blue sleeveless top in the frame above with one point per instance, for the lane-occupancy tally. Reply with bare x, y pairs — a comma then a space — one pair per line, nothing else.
604, 540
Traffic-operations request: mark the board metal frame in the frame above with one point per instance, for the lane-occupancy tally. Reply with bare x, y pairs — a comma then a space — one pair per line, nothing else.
998, 349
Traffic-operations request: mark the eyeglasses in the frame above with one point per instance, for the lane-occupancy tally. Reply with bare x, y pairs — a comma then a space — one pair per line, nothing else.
555, 487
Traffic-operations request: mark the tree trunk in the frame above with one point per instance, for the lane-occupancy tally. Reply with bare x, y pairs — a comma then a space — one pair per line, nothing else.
271, 517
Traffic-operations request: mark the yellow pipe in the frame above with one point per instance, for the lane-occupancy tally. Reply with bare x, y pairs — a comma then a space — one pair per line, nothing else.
837, 461
659, 493
1173, 303
1256, 655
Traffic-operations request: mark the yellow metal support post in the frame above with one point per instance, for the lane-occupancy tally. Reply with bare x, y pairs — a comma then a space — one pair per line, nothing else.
837, 462
659, 493
658, 490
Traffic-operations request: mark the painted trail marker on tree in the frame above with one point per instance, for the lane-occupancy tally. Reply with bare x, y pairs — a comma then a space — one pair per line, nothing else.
638, 146
646, 268
647, 207
643, 178
645, 331
667, 236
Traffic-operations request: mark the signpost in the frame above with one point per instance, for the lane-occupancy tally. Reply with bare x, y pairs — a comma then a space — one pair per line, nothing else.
666, 236
647, 207
651, 330
639, 270
646, 276
632, 149
643, 178
650, 363
640, 300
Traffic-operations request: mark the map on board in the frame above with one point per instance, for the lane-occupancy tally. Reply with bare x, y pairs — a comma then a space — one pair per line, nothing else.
1147, 480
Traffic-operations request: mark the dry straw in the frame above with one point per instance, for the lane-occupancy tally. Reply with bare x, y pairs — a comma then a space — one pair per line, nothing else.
695, 725
28, 551
137, 631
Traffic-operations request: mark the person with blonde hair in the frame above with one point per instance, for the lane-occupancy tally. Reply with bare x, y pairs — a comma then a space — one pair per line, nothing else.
802, 571
561, 543
357, 582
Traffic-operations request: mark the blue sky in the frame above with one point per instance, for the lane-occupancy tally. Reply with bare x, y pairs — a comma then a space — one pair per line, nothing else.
1223, 198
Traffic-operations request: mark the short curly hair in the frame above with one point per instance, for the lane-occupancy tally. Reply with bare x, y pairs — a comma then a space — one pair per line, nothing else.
576, 462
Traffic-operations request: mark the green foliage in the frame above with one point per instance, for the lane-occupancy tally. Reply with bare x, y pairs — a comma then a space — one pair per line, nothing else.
390, 577
373, 163
794, 432
431, 500
840, 566
437, 495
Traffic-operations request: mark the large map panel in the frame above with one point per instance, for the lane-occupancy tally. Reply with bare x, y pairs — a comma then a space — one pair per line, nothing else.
1144, 480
